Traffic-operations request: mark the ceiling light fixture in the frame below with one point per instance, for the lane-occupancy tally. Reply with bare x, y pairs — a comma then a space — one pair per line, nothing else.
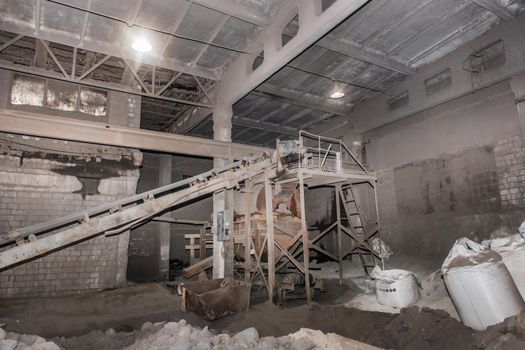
338, 91
337, 94
141, 45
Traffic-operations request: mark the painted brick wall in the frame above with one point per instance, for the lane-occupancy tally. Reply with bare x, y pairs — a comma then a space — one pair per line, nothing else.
36, 187
510, 160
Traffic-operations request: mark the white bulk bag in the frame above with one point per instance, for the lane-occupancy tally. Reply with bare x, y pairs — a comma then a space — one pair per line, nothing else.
480, 285
396, 288
512, 251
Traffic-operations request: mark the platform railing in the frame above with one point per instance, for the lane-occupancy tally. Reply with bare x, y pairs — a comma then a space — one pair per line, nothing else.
326, 154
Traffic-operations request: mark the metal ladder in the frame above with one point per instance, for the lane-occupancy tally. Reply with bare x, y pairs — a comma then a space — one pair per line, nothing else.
358, 227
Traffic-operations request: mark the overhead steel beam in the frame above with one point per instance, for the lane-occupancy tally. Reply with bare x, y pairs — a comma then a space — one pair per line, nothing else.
113, 50
42, 125
316, 120
239, 79
10, 42
366, 56
195, 117
235, 9
94, 83
252, 16
358, 18
495, 8
298, 99
211, 38
271, 127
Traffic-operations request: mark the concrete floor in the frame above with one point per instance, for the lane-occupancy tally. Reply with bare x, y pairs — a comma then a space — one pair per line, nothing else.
345, 310
80, 322
128, 308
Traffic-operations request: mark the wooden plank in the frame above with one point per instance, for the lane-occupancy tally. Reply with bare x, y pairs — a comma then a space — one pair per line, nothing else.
198, 267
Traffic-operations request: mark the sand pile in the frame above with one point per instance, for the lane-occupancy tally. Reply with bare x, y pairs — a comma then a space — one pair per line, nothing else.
180, 335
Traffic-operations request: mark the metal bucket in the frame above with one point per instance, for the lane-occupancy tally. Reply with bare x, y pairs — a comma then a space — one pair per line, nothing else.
213, 299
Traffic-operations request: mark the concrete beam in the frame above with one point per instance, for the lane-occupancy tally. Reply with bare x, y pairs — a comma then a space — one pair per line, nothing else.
271, 92
252, 16
375, 112
239, 79
41, 125
495, 8
366, 56
235, 9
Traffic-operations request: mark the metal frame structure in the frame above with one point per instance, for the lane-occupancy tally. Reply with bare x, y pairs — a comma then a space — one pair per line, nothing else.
36, 124
316, 165
84, 80
313, 170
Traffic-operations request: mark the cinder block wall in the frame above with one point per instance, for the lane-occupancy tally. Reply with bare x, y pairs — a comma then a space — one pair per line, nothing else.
144, 244
37, 185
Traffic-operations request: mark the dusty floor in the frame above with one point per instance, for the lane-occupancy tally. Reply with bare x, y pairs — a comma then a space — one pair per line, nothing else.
83, 320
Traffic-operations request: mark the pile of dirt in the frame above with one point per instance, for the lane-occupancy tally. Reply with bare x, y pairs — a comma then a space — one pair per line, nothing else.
425, 328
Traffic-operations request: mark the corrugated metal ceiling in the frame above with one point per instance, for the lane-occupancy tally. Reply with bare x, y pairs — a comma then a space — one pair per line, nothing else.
389, 37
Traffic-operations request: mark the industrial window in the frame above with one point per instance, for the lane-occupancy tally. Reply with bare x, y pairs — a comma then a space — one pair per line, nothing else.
489, 57
290, 30
28, 91
439, 82
258, 61
59, 95
93, 101
398, 101
325, 4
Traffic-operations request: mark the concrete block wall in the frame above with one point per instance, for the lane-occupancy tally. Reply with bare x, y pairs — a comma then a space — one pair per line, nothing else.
145, 241
88, 266
34, 188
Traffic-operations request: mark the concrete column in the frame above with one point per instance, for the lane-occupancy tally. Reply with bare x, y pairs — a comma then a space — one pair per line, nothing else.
124, 109
122, 260
517, 84
222, 128
165, 168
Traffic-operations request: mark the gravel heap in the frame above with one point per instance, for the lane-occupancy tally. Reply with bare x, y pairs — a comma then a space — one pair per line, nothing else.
14, 341
180, 335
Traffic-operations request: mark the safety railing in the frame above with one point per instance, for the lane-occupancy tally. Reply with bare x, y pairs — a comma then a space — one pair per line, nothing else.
326, 154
